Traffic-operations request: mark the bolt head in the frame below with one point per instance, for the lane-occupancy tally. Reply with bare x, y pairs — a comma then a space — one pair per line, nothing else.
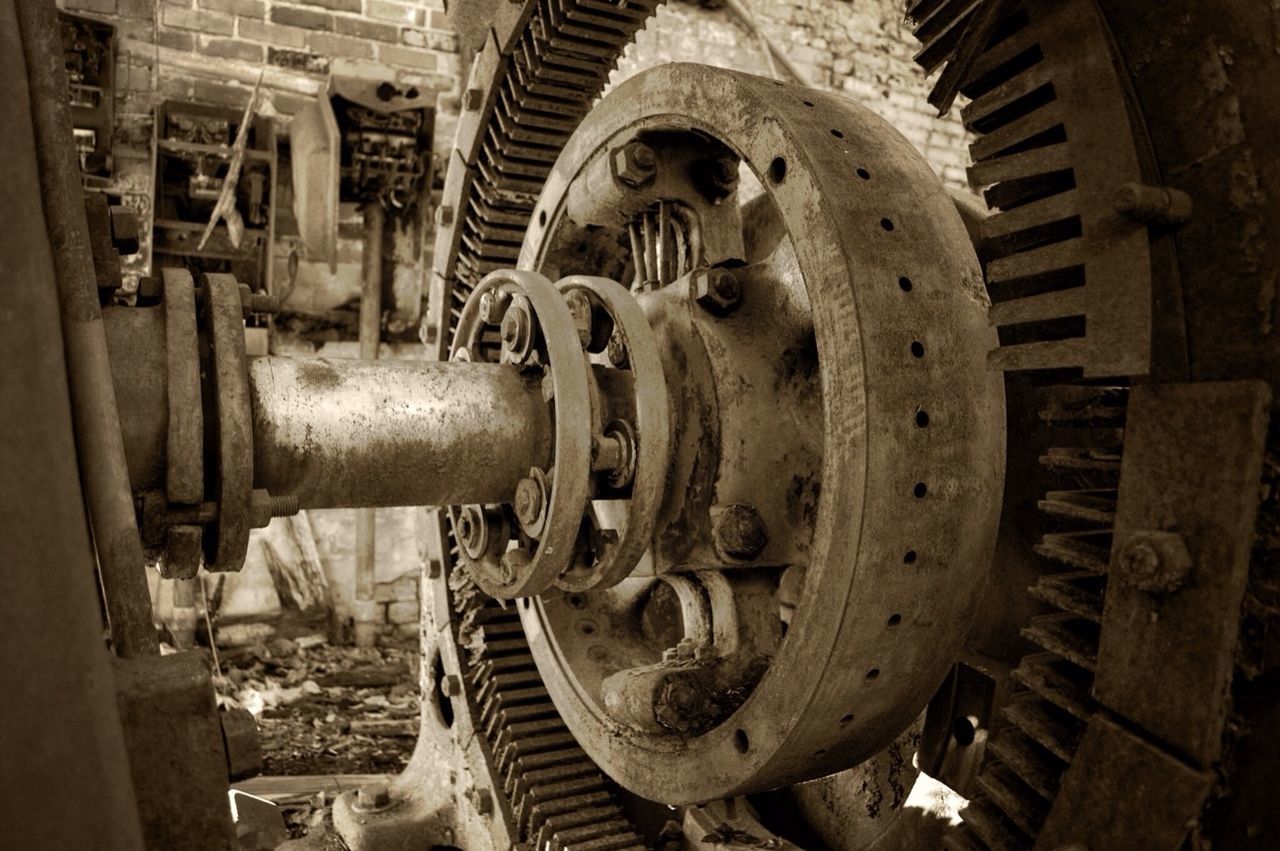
716, 291
482, 799
634, 164
375, 796
1154, 562
472, 99
580, 309
125, 230
451, 685
528, 502
739, 532
616, 351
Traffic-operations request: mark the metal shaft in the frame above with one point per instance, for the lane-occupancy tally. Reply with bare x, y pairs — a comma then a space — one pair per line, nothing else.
352, 433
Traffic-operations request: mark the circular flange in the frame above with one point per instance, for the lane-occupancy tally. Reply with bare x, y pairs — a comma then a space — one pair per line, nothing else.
227, 540
534, 565
652, 430
885, 263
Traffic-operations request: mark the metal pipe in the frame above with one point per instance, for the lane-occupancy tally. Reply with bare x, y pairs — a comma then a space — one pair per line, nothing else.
351, 433
99, 445
370, 337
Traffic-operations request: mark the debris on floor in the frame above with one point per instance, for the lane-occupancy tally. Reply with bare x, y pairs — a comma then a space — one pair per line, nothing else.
326, 712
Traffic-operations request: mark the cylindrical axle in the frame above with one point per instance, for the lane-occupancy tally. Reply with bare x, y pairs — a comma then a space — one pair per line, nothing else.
350, 433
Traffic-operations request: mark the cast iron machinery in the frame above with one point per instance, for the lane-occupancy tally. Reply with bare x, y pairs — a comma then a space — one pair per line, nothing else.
719, 417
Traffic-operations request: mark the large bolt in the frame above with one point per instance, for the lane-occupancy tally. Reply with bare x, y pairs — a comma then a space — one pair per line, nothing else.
723, 174
717, 291
517, 331
263, 506
616, 351
580, 309
481, 799
375, 796
529, 503
451, 685
1157, 205
493, 305
739, 532
634, 164
1154, 562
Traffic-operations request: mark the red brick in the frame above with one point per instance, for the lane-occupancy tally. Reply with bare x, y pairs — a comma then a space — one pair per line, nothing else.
230, 48
209, 23
243, 8
333, 45
336, 5
305, 18
420, 60
366, 29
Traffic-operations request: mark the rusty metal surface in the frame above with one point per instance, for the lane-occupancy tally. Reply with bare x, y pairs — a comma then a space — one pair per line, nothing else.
184, 443
230, 441
949, 433
177, 757
1122, 790
551, 339
1069, 273
100, 447
1192, 468
650, 421
64, 778
348, 433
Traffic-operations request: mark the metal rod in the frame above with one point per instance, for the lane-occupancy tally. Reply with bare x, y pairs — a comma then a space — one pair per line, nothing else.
99, 444
348, 433
370, 336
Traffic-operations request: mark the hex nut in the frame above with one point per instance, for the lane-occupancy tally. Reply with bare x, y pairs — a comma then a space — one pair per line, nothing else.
375, 796
529, 502
472, 99
716, 291
634, 164
451, 685
580, 309
739, 532
481, 799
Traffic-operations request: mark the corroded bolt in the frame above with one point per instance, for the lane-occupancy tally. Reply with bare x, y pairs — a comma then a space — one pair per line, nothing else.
263, 506
481, 799
717, 291
634, 164
470, 529
739, 532
451, 685
580, 310
1154, 562
1158, 205
529, 499
723, 172
493, 305
373, 797
517, 331
616, 351
472, 99
444, 216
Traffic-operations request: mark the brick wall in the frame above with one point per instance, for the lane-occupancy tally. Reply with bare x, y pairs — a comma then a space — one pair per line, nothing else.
211, 51
862, 48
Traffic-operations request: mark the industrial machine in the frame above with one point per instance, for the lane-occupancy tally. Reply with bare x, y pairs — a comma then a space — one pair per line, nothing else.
763, 472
